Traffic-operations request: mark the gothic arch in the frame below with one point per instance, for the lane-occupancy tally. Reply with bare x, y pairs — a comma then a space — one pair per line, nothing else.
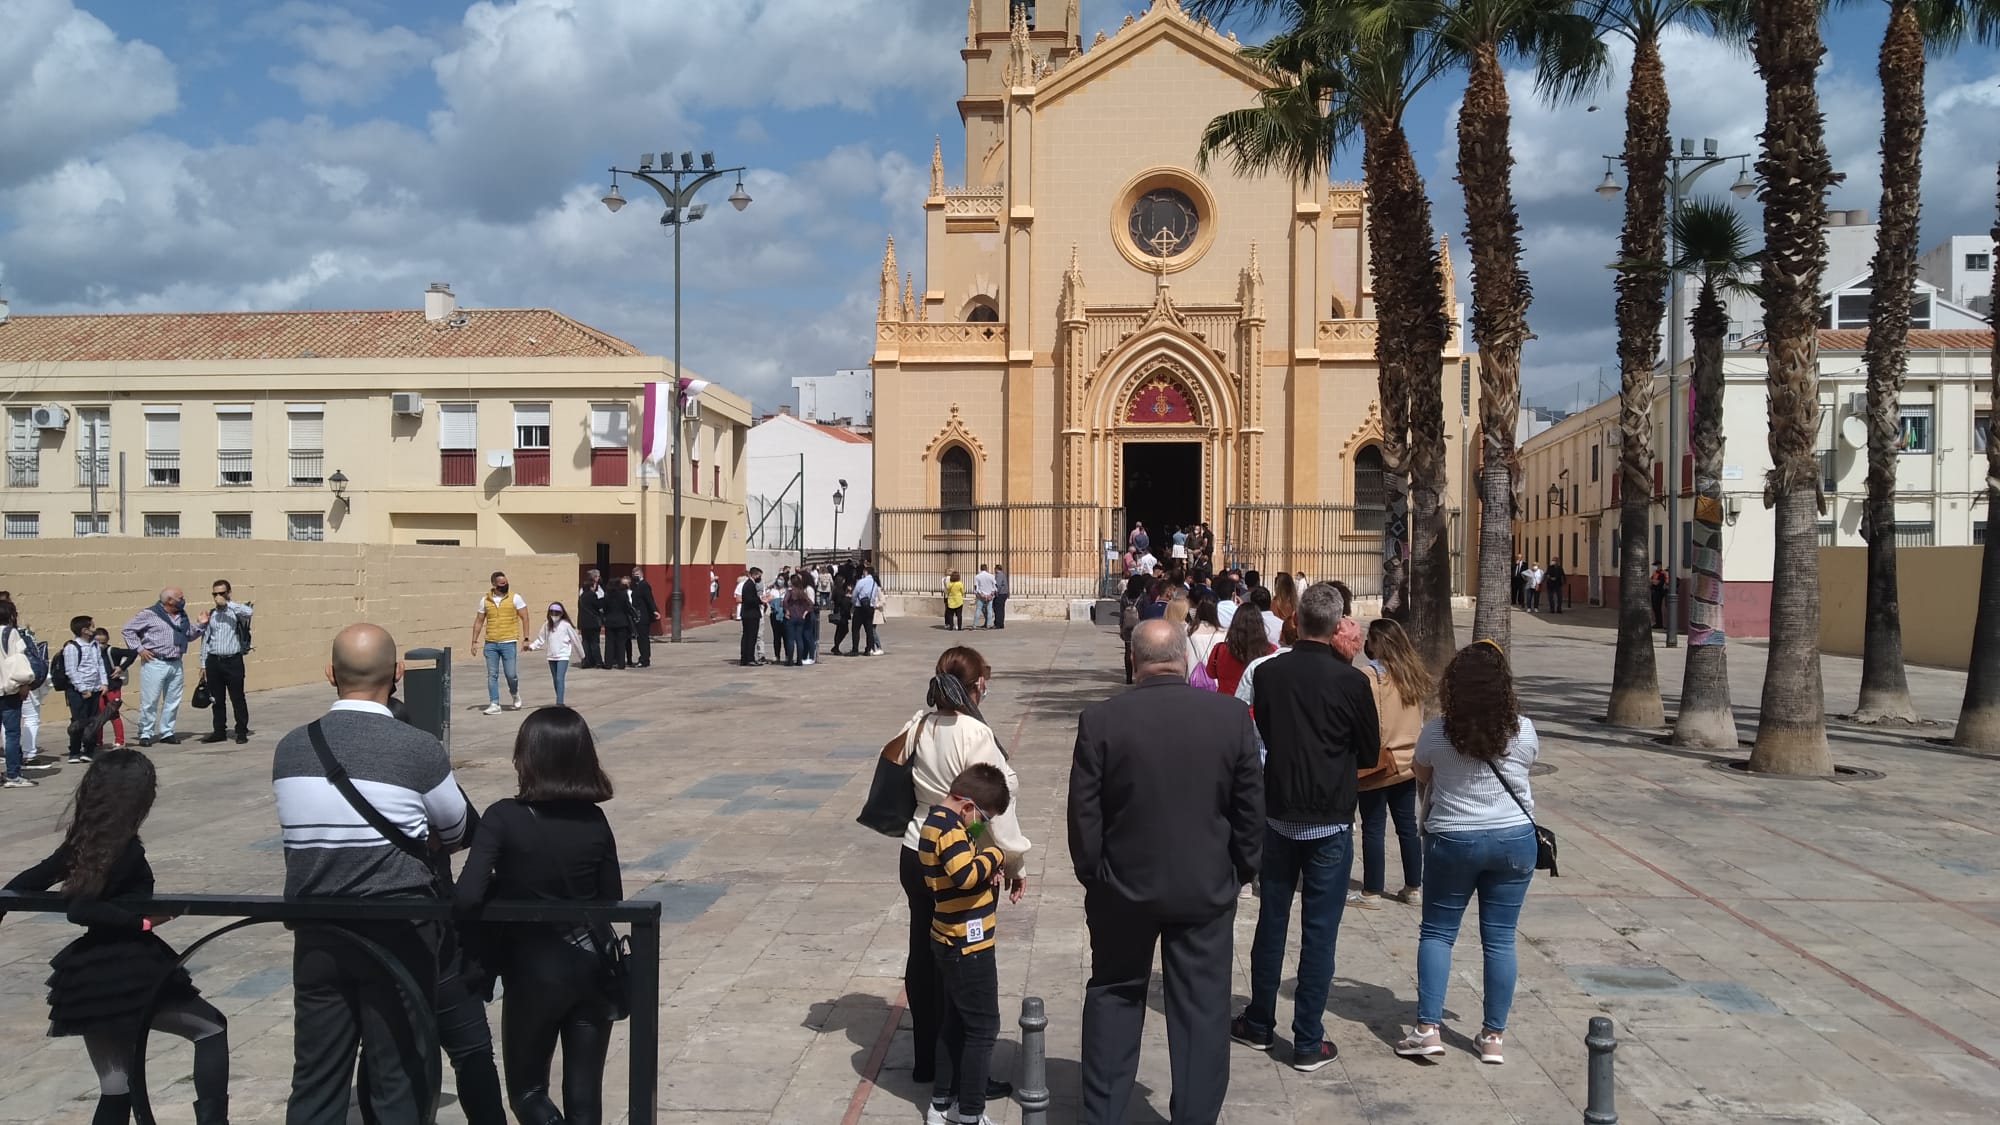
955, 432
1136, 361
1369, 432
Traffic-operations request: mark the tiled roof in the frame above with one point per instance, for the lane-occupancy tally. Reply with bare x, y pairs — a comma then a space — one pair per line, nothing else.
1921, 339
841, 432
333, 334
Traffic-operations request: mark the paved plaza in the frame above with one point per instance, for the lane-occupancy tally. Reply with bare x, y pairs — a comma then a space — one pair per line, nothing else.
1772, 951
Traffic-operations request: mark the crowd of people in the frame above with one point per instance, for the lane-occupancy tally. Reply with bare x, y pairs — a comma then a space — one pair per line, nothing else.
1192, 546
792, 602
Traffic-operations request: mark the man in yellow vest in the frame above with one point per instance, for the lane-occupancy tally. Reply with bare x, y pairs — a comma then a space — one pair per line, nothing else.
501, 619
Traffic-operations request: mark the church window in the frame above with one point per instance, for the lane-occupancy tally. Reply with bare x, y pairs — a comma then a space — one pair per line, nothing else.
1164, 222
1370, 497
955, 488
983, 312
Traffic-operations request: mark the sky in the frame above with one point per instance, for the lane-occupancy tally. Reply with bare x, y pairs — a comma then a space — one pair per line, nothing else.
243, 154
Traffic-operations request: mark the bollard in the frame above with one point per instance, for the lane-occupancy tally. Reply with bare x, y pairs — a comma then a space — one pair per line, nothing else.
1033, 1092
1600, 1107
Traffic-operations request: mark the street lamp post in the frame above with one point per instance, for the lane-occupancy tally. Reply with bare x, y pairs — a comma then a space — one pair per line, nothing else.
839, 505
677, 187
1679, 183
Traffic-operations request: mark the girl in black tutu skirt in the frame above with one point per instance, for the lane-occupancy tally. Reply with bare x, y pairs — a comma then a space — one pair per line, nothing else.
103, 980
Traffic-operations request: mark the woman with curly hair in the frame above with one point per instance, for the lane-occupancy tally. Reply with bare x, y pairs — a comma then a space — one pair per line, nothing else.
1479, 840
103, 982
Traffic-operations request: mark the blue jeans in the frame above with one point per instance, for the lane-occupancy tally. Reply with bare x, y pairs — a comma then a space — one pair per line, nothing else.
502, 655
10, 723
985, 612
1496, 864
812, 636
559, 672
159, 691
1323, 867
795, 639
1398, 801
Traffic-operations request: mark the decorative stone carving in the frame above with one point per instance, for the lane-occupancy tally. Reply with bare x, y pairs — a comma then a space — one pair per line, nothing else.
955, 432
1368, 432
910, 298
1250, 288
889, 307
937, 167
1021, 65
975, 201
1069, 308
1345, 197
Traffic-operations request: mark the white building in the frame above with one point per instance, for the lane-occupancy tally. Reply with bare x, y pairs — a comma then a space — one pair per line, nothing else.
844, 398
1940, 499
1961, 267
793, 469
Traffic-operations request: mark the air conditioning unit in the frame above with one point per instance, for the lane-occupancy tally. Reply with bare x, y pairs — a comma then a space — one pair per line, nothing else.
407, 402
1857, 402
500, 458
691, 409
49, 417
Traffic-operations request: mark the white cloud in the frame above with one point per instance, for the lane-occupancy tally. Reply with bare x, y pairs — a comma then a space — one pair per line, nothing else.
344, 61
68, 83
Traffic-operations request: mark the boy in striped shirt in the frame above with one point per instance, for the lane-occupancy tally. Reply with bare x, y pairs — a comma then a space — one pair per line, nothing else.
963, 875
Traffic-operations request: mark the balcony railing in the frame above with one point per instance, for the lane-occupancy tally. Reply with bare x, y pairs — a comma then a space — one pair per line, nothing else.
24, 470
531, 467
83, 469
233, 468
458, 468
163, 470
608, 468
308, 469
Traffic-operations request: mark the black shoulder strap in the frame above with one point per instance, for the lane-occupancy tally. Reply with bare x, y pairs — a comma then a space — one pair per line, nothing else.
1498, 776
337, 774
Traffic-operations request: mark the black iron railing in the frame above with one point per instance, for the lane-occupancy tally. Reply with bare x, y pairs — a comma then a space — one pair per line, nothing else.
1049, 550
1324, 540
249, 910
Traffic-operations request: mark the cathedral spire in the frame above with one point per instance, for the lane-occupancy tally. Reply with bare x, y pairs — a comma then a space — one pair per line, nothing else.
1071, 308
1251, 291
971, 23
888, 308
1020, 55
1445, 290
909, 298
937, 166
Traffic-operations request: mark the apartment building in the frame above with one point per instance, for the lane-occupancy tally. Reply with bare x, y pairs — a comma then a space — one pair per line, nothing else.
510, 428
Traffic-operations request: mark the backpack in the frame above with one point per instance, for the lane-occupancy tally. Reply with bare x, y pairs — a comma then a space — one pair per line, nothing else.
37, 654
59, 669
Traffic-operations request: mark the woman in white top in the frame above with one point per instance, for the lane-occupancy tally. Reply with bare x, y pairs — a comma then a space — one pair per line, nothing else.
560, 637
1478, 838
944, 738
1204, 633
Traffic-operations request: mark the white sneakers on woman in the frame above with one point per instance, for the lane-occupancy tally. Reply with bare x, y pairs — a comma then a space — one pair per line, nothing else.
1428, 1041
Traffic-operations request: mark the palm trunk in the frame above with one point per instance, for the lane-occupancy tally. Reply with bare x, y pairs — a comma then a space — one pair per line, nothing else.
1979, 715
1499, 323
1409, 309
1706, 718
1885, 687
1642, 302
1796, 175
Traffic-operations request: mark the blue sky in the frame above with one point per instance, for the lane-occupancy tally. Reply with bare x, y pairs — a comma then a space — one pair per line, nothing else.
205, 154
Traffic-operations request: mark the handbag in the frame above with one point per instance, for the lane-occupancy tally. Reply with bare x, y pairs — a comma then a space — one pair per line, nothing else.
892, 795
1545, 838
613, 950
203, 697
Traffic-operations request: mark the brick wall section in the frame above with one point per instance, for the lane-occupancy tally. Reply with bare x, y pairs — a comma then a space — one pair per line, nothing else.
305, 592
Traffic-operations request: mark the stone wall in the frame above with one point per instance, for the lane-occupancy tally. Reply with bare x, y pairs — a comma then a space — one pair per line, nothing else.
304, 592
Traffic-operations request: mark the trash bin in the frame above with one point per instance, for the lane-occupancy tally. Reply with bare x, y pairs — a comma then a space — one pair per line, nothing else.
427, 691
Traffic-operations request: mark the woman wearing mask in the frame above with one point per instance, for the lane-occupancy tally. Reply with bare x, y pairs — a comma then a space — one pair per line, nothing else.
1401, 685
1244, 641
799, 605
1479, 839
550, 843
944, 738
563, 642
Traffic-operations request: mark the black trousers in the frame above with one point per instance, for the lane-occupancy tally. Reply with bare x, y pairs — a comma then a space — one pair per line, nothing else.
342, 999
971, 1010
617, 647
552, 999
1195, 958
748, 651
840, 617
593, 656
920, 972
644, 636
83, 707
864, 621
467, 1040
1000, 611
225, 683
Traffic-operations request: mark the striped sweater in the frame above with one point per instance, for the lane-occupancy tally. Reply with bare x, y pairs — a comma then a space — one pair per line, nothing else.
960, 876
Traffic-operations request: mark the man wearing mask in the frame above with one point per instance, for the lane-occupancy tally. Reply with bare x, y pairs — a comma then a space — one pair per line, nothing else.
648, 609
590, 603
502, 618
750, 610
620, 618
161, 633
225, 640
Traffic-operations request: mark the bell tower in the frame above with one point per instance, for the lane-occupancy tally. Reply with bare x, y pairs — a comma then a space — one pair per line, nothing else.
1008, 43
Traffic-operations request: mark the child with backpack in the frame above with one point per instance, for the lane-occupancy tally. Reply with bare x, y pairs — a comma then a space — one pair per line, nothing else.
22, 670
78, 671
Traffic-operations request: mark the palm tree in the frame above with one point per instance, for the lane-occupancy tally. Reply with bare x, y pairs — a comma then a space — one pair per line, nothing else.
1330, 84
1712, 247
1913, 26
1979, 715
1795, 174
1641, 306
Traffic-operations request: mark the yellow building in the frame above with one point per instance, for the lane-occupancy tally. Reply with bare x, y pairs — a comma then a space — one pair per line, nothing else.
1099, 333
516, 429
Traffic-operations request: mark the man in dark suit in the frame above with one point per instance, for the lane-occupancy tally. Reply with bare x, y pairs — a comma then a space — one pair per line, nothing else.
649, 616
1166, 809
750, 610
590, 603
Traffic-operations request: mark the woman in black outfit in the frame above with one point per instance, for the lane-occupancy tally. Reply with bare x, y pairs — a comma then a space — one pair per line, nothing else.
104, 980
551, 843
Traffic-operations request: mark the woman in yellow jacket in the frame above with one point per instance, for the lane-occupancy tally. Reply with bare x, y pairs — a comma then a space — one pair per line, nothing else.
954, 601
1401, 683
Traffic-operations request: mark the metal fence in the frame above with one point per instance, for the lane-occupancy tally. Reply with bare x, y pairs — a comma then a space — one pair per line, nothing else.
775, 524
1049, 550
1324, 540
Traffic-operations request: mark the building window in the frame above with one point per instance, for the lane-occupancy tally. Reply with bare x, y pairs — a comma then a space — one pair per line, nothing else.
1982, 429
531, 443
305, 527
163, 449
1594, 460
458, 443
1370, 497
232, 446
1916, 429
1575, 496
610, 437
955, 488
162, 525
1828, 478
87, 524
24, 449
437, 542
1163, 222
1851, 310
1659, 540
93, 447
983, 311
1829, 533
23, 525
1910, 533
232, 525
1978, 263
1573, 556
307, 444
1979, 533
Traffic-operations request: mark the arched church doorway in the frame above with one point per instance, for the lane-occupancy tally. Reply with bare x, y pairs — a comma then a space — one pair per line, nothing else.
1162, 488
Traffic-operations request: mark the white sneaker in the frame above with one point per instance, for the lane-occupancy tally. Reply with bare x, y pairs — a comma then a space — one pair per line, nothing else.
18, 783
516, 705
493, 708
935, 1114
874, 652
959, 1119
807, 660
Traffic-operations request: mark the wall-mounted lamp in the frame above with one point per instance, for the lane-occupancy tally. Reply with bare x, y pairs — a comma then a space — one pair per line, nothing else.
338, 483
1555, 498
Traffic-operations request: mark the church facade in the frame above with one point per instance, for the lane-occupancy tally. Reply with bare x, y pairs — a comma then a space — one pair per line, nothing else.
1098, 332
